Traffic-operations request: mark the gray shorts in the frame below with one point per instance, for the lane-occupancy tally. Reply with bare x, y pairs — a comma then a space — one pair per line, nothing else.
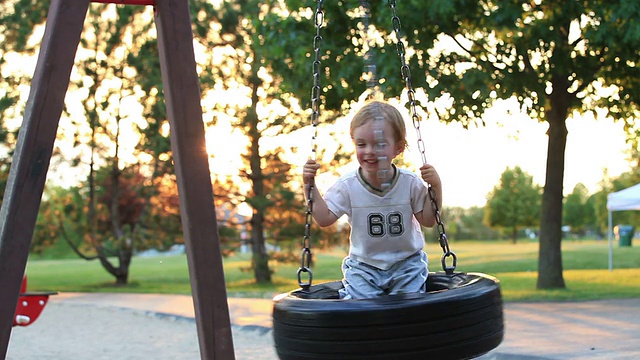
362, 281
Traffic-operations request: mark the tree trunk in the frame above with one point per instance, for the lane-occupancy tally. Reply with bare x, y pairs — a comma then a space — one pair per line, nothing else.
122, 279
550, 252
124, 259
121, 272
260, 259
514, 235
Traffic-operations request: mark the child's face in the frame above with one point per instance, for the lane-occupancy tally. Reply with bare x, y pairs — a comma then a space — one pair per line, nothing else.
368, 150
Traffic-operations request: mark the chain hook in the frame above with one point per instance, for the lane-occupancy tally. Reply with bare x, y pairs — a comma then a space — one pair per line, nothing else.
368, 43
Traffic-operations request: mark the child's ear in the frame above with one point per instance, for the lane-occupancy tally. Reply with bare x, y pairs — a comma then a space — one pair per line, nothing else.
399, 149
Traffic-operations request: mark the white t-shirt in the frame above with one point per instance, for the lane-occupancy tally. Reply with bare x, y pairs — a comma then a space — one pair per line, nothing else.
383, 228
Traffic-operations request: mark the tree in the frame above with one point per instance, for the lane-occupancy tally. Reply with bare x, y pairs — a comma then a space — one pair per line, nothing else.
467, 224
610, 185
578, 211
240, 70
113, 223
254, 52
514, 203
555, 59
235, 42
16, 29
112, 203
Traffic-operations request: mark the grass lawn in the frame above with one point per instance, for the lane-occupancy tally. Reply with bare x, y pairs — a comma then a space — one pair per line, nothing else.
585, 273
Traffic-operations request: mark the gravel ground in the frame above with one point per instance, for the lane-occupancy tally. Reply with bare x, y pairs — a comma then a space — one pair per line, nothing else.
78, 332
79, 326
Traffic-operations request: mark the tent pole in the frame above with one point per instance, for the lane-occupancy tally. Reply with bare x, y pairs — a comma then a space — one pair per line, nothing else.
609, 233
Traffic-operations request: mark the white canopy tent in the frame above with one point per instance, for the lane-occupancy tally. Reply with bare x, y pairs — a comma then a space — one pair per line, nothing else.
627, 199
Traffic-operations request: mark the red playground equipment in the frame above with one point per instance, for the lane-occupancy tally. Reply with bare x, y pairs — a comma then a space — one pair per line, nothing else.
30, 305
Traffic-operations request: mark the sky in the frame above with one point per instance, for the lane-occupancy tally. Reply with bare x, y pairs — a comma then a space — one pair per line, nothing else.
471, 161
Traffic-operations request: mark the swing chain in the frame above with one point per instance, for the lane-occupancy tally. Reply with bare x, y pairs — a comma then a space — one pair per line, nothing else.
443, 240
406, 75
305, 261
368, 43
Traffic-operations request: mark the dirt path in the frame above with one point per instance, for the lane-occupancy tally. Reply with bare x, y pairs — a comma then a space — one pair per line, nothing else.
78, 332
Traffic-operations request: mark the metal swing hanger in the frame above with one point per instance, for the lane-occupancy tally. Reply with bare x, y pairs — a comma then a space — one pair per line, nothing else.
372, 86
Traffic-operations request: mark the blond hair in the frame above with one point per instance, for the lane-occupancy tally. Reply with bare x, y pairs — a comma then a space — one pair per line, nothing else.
388, 113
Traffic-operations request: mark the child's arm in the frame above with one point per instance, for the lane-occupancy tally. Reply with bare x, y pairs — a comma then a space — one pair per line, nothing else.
427, 217
320, 211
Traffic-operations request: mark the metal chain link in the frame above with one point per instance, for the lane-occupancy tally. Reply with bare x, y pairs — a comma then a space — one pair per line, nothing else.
406, 75
316, 91
370, 71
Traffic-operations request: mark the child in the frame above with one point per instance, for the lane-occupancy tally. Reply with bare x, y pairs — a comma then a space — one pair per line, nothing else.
385, 206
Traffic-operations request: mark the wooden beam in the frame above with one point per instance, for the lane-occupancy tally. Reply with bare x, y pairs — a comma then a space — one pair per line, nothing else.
30, 164
182, 93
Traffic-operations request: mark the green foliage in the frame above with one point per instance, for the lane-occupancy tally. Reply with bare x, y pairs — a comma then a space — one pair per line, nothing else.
54, 217
534, 51
556, 58
18, 18
579, 212
5, 166
465, 224
599, 199
18, 21
513, 203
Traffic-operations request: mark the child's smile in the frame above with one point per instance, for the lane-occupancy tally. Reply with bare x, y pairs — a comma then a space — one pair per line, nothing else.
375, 154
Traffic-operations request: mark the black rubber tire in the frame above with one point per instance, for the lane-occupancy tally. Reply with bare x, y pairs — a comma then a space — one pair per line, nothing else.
459, 317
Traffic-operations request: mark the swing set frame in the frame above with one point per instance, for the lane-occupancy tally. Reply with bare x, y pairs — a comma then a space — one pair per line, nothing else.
27, 176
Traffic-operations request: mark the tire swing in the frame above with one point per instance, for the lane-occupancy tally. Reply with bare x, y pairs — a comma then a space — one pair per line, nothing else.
459, 317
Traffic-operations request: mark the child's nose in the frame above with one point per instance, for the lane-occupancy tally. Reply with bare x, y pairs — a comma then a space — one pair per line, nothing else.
371, 148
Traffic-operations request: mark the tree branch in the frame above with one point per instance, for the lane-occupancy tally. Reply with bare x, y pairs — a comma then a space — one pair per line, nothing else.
73, 246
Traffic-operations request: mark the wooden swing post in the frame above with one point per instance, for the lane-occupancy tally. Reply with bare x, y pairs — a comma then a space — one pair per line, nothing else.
37, 135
